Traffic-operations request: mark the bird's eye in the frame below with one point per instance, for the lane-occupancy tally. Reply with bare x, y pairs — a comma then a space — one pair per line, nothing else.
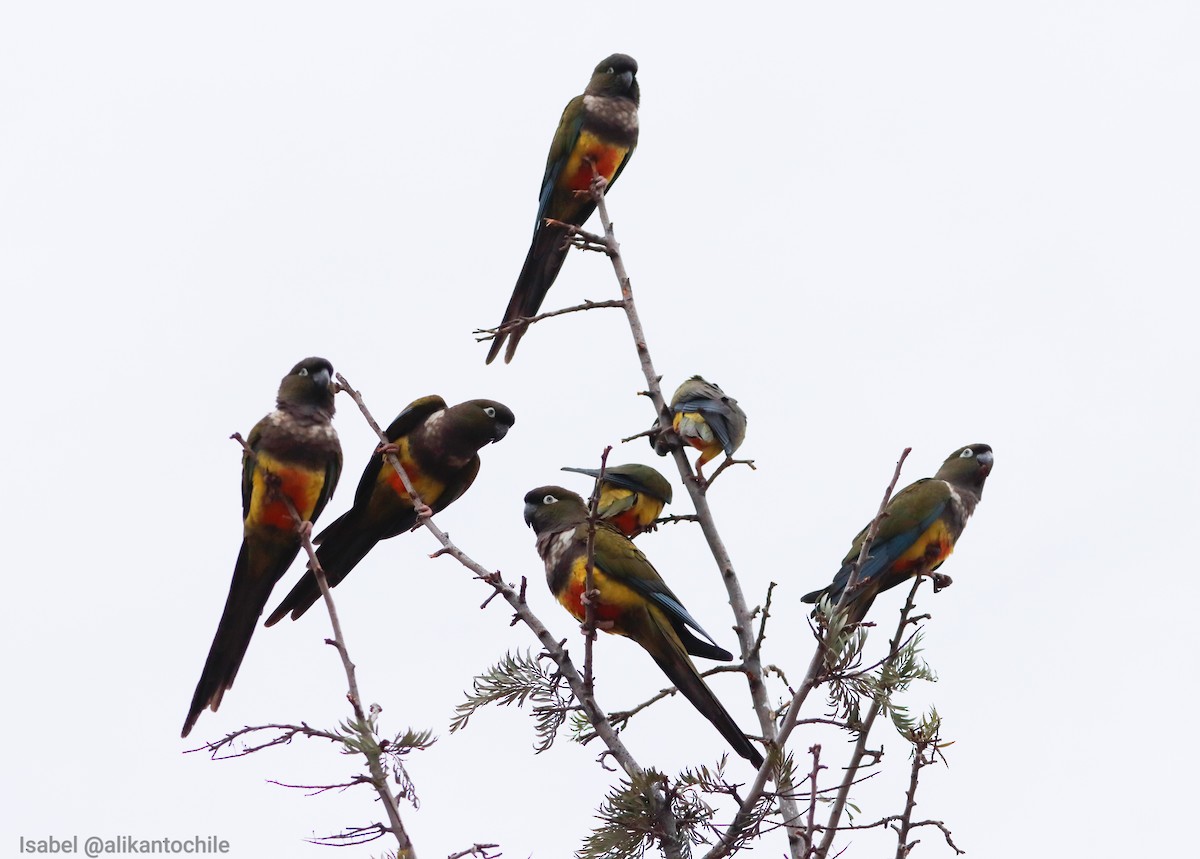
610, 70
549, 499
303, 371
967, 453
490, 412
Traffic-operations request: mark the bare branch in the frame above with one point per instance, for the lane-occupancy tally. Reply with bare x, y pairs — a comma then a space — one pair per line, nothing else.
222, 749
480, 850
513, 324
590, 593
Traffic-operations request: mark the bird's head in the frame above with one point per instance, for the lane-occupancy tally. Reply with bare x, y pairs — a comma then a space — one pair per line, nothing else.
549, 509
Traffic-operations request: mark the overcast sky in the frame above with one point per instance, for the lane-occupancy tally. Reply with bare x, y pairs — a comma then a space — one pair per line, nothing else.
876, 225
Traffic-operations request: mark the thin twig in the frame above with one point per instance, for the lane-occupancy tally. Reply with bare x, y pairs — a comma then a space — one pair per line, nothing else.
525, 321
810, 830
589, 577
892, 818
287, 733
872, 533
480, 850
620, 718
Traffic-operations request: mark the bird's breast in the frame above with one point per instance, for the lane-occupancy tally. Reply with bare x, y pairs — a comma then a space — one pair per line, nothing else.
429, 488
930, 549
612, 603
273, 481
591, 153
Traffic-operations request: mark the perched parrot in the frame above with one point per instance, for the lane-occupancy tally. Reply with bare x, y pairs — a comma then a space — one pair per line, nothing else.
705, 418
918, 531
439, 449
632, 497
634, 600
597, 134
297, 455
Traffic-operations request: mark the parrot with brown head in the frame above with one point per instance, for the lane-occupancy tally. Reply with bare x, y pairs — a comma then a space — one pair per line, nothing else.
294, 459
634, 601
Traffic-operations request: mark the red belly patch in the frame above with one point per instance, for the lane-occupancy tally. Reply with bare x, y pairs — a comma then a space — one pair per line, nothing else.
571, 599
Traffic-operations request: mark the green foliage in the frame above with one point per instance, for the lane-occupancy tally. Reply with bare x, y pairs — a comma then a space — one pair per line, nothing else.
925, 732
746, 828
513, 680
631, 823
849, 684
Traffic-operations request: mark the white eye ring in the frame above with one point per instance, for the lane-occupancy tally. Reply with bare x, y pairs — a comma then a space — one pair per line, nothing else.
967, 454
489, 411
549, 499
303, 371
610, 70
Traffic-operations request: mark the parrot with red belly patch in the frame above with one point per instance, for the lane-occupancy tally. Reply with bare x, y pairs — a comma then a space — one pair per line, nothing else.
596, 135
438, 447
632, 496
296, 455
634, 601
918, 532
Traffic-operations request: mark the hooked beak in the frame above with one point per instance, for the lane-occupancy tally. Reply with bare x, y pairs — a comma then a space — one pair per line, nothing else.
530, 509
985, 460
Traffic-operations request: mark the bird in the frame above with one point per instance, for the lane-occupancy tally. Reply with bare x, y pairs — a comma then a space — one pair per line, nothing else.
294, 456
596, 135
918, 531
438, 446
632, 496
633, 601
706, 418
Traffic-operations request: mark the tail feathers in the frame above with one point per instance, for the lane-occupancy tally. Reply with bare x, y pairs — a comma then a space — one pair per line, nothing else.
681, 671
343, 545
697, 646
860, 599
248, 595
546, 255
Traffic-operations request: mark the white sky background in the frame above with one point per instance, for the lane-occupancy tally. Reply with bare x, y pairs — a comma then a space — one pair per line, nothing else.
875, 226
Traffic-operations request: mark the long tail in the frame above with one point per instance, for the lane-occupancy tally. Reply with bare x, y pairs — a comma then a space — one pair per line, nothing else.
546, 254
677, 666
342, 545
248, 595
860, 601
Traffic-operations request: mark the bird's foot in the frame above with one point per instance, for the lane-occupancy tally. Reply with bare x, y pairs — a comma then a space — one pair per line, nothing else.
423, 511
389, 447
940, 581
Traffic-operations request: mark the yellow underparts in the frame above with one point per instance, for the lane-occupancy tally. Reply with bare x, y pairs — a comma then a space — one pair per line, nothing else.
592, 152
694, 429
931, 548
427, 487
301, 485
616, 598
